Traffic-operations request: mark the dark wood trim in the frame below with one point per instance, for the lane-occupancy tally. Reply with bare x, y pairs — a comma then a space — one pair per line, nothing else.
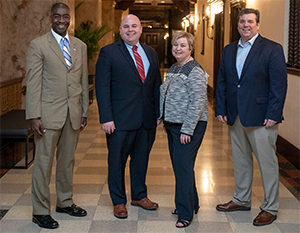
10, 82
293, 71
288, 151
211, 96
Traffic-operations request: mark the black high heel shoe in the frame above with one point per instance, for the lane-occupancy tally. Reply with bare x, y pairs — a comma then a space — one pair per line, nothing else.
183, 223
176, 212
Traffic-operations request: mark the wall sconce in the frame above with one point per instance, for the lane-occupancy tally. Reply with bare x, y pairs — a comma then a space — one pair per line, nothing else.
188, 23
206, 17
166, 36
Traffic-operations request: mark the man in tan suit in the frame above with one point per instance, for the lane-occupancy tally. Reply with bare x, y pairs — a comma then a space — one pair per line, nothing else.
57, 109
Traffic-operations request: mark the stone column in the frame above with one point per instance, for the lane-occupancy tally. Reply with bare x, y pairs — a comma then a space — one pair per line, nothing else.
108, 18
90, 11
118, 19
71, 4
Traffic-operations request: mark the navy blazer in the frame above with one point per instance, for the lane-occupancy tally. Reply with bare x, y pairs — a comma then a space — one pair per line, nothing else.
260, 92
121, 95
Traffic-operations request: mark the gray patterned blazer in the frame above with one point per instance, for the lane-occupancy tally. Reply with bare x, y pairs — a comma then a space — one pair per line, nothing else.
183, 96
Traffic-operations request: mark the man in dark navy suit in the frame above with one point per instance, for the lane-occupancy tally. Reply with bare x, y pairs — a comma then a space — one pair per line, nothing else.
251, 91
127, 88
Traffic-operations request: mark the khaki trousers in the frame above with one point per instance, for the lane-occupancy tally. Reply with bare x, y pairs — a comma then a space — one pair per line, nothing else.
262, 142
64, 141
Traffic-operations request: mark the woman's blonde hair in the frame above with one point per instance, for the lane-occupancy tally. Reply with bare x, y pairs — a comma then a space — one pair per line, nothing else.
189, 37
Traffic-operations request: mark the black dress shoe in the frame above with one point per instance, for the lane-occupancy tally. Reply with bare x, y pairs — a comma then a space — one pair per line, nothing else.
72, 210
45, 221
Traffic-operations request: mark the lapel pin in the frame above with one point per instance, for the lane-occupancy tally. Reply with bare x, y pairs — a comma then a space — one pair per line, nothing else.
74, 49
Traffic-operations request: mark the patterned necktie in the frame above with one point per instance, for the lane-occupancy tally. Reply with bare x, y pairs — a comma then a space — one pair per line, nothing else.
66, 52
139, 63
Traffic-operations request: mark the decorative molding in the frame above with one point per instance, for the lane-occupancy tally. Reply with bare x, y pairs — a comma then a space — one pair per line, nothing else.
211, 96
294, 35
238, 4
10, 95
10, 82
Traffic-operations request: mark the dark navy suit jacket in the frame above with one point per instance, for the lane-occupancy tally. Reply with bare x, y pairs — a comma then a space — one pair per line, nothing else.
260, 92
121, 95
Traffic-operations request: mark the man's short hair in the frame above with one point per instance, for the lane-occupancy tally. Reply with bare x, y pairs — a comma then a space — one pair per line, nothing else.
249, 11
58, 5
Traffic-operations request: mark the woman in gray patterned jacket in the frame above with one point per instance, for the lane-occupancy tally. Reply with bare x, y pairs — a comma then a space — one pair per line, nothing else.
184, 110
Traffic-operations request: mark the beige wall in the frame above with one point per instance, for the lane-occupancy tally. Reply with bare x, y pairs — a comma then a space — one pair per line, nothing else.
22, 21
272, 18
207, 59
274, 25
290, 128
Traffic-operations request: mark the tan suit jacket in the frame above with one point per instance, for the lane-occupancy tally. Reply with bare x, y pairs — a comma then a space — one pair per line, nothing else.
52, 88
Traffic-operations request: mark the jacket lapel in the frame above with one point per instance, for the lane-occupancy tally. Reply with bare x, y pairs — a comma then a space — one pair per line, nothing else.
253, 51
150, 62
73, 51
233, 59
128, 57
56, 48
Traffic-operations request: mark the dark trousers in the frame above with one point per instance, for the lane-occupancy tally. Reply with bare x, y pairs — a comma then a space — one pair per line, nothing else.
121, 144
183, 160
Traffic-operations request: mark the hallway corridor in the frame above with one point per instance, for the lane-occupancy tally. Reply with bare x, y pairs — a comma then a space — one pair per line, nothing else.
215, 183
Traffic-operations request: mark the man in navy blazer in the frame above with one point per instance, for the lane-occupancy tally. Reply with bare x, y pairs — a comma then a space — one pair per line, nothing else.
127, 89
250, 96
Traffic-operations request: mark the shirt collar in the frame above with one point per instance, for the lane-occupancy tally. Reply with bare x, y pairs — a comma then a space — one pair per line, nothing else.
251, 41
130, 46
58, 37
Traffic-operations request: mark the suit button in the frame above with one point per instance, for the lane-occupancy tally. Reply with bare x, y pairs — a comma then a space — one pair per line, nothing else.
239, 86
69, 84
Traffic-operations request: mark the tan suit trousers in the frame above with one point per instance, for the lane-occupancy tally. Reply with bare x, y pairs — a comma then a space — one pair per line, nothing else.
262, 142
64, 141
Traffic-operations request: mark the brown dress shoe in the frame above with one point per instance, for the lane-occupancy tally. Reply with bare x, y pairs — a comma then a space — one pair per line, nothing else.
120, 211
264, 218
231, 206
145, 203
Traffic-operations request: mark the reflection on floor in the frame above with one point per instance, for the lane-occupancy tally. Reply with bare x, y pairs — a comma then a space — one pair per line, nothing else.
215, 183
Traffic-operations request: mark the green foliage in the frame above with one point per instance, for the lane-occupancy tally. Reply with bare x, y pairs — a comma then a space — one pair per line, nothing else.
117, 36
77, 6
91, 38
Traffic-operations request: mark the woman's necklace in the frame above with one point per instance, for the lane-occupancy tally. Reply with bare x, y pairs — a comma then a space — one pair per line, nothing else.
186, 60
183, 64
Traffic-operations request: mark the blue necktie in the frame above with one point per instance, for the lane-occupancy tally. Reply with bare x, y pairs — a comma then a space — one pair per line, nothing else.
66, 52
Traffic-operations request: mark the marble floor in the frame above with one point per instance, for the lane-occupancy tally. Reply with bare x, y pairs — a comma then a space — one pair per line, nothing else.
215, 183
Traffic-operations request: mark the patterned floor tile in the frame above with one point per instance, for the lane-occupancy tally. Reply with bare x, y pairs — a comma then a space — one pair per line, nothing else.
214, 178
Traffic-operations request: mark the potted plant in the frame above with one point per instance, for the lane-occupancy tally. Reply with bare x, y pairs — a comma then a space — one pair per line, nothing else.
91, 38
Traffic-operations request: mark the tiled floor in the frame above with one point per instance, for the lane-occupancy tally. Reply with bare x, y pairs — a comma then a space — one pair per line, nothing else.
215, 183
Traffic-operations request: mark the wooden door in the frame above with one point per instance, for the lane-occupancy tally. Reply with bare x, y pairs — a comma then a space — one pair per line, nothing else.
156, 41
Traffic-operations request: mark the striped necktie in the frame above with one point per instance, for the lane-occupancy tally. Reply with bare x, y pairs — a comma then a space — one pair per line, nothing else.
139, 63
66, 52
